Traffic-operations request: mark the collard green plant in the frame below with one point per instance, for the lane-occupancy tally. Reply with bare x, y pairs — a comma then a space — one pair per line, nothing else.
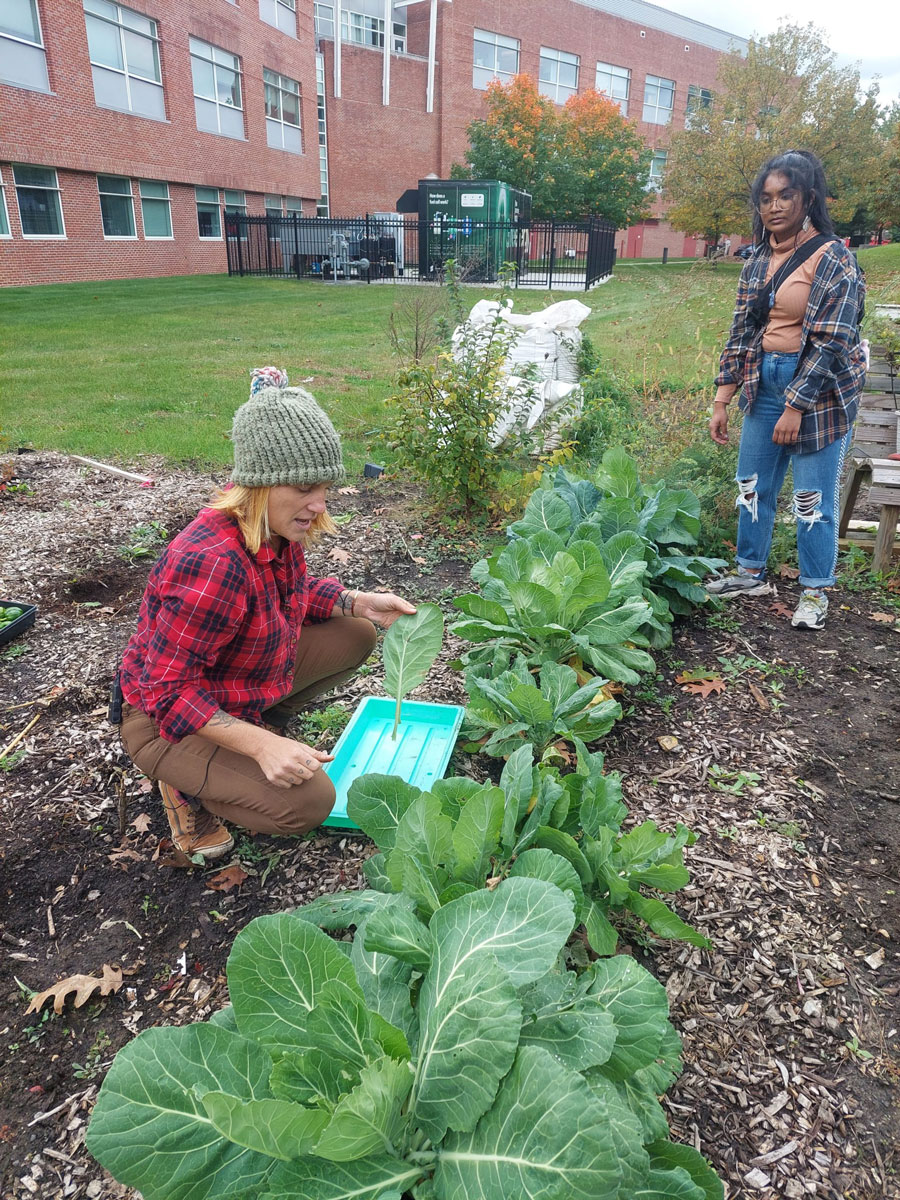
663, 524
463, 1066
579, 603
410, 647
463, 836
516, 707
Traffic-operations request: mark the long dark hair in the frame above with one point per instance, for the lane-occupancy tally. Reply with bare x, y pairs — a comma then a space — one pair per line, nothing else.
805, 173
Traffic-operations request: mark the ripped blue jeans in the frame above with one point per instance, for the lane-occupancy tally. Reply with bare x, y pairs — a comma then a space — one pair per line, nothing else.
762, 466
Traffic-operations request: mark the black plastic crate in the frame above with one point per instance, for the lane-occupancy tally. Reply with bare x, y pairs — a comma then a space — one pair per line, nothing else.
29, 612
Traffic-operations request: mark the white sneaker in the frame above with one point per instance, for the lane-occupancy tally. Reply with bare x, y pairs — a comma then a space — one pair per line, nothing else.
738, 583
810, 612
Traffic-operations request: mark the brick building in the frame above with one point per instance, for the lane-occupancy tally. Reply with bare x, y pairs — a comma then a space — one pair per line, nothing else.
125, 130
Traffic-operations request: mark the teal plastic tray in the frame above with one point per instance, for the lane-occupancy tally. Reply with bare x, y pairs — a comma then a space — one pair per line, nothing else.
420, 753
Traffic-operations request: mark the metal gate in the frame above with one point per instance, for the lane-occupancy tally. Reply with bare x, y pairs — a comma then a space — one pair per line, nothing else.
393, 249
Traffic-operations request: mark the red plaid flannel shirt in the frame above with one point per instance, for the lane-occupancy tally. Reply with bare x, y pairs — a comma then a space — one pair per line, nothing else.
831, 371
218, 627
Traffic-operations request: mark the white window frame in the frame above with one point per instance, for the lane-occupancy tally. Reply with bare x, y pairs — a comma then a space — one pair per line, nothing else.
548, 75
489, 71
280, 14
129, 195
270, 206
167, 200
198, 53
232, 205
323, 203
654, 87
276, 126
17, 40
608, 79
34, 187
129, 73
657, 170
323, 20
4, 209
699, 101
293, 204
208, 203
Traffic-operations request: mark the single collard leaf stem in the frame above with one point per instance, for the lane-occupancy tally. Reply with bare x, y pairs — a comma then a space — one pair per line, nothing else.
410, 647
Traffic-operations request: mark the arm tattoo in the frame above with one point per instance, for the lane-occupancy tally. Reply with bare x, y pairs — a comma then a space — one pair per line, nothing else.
223, 718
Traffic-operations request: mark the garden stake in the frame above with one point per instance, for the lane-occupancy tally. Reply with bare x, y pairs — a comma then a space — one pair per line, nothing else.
9, 746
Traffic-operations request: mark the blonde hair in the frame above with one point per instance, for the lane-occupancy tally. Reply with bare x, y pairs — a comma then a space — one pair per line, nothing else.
250, 508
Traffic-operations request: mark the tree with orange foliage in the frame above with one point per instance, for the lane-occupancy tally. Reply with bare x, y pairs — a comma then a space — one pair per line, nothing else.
583, 160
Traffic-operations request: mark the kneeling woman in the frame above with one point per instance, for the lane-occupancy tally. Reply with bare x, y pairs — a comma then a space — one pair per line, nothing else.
234, 636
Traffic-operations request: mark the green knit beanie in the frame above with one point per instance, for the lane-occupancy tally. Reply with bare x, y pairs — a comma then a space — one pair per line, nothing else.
282, 436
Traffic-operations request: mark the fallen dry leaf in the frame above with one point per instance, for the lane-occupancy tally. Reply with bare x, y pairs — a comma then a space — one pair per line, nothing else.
874, 960
232, 876
119, 857
349, 490
884, 618
781, 609
704, 687
668, 742
167, 854
83, 986
416, 559
787, 572
141, 822
758, 696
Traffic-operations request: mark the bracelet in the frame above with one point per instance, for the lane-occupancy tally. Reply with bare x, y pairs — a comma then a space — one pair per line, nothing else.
347, 598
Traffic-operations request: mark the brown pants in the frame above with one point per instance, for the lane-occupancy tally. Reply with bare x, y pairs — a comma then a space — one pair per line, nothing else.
231, 785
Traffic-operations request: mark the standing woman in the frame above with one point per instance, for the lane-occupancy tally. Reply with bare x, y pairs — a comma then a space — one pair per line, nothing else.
234, 635
794, 355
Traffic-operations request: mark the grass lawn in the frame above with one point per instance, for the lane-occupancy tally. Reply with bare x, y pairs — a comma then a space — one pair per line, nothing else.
124, 368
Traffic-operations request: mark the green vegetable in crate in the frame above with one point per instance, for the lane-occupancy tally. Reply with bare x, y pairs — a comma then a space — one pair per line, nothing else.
410, 647
8, 615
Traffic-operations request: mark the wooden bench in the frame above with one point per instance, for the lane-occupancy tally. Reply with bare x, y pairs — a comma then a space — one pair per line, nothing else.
876, 434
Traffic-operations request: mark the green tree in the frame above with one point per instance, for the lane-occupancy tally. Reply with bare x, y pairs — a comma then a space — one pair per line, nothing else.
786, 93
584, 159
884, 189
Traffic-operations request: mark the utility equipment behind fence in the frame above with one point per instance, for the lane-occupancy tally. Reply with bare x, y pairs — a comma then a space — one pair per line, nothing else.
390, 248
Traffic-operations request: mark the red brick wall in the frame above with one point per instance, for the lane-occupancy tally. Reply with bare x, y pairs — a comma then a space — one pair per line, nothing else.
67, 130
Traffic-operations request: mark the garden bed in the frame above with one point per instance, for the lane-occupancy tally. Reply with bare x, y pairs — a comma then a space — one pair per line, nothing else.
790, 775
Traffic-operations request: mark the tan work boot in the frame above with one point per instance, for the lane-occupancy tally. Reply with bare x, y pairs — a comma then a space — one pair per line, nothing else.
194, 831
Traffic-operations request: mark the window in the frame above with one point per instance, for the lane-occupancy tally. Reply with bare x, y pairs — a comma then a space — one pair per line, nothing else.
362, 24
495, 57
559, 74
280, 13
657, 170
40, 210
323, 17
4, 214
282, 112
614, 82
699, 100
323, 203
123, 46
116, 206
217, 89
235, 202
273, 206
23, 62
156, 211
209, 224
659, 100
293, 204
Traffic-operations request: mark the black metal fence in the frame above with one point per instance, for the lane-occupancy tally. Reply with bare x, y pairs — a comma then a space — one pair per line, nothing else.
378, 249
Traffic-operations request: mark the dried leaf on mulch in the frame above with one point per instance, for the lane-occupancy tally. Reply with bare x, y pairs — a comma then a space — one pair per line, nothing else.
83, 987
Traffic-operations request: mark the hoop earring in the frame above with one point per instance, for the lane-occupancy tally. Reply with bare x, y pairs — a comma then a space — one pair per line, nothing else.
806, 223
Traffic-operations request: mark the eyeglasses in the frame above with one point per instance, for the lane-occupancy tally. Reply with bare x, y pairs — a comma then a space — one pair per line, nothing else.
786, 197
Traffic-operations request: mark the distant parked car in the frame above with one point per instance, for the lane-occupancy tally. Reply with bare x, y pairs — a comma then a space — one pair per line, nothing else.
744, 251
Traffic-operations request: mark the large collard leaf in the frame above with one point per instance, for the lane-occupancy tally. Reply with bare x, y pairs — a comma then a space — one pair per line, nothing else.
374, 1178
277, 970
544, 510
580, 494
623, 664
454, 792
278, 1128
613, 514
397, 931
676, 518
665, 1154
617, 474
592, 584
315, 1076
544, 547
545, 1137
487, 612
536, 605
663, 921
376, 874
519, 782
624, 557
601, 933
544, 864
476, 834
603, 625
150, 1100
672, 1184
563, 1017
639, 1008
368, 1120
411, 645
376, 803
385, 983
340, 910
486, 944
637, 1095
422, 845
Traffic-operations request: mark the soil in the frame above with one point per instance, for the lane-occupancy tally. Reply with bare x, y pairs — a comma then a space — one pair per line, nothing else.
790, 776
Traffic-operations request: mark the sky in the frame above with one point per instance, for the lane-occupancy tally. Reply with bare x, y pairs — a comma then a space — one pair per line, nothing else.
864, 32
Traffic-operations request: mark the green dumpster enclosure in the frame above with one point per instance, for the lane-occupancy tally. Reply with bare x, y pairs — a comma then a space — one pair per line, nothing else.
477, 222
